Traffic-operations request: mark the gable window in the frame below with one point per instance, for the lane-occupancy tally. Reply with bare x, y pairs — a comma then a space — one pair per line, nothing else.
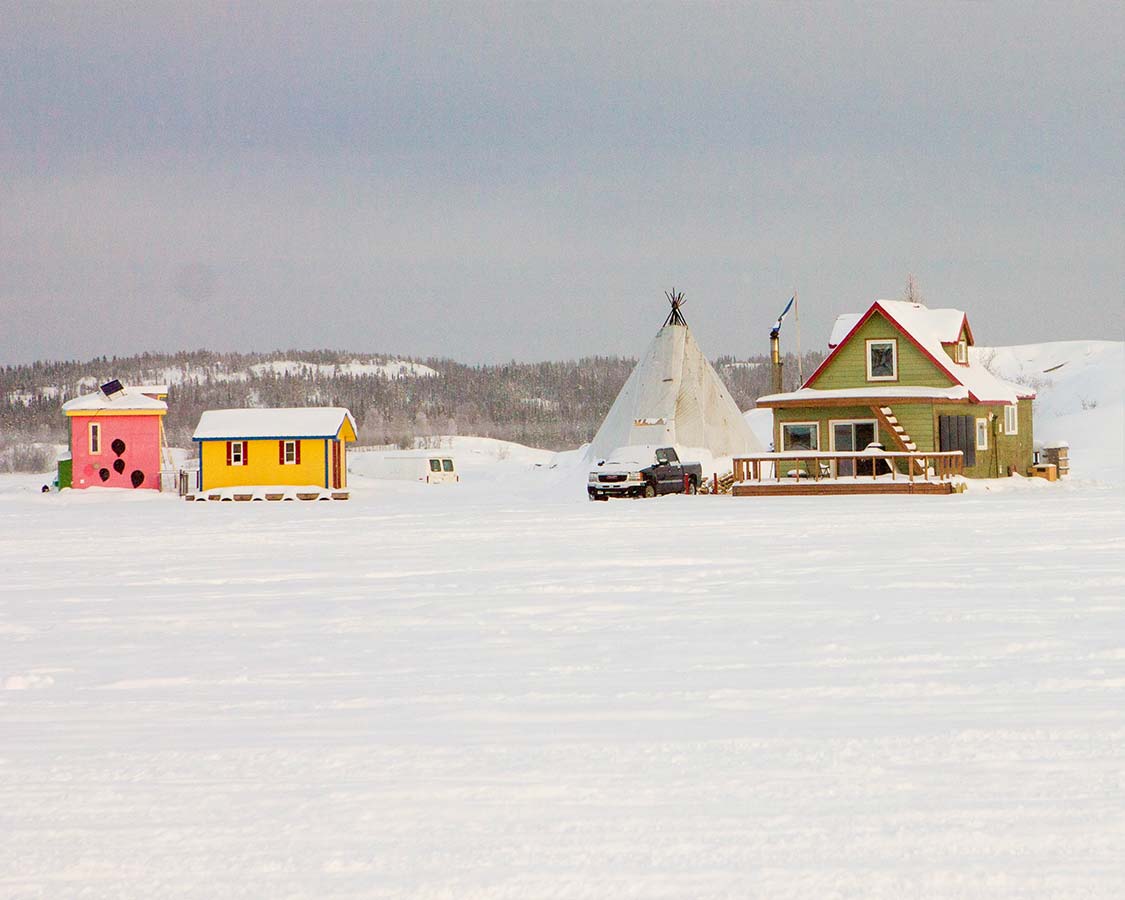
800, 436
982, 434
1011, 419
961, 353
289, 453
236, 453
95, 442
882, 360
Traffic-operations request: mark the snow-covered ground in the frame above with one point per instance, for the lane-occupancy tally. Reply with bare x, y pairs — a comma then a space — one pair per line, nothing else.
497, 689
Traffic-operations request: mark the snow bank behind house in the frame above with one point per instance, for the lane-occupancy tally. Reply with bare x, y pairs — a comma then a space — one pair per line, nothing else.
1080, 388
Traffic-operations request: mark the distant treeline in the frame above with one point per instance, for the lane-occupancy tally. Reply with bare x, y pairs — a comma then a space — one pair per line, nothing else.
554, 405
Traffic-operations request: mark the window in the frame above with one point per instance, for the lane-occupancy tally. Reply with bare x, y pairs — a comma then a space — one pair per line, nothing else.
800, 436
982, 434
95, 437
236, 453
1011, 419
289, 453
961, 354
447, 465
435, 465
882, 360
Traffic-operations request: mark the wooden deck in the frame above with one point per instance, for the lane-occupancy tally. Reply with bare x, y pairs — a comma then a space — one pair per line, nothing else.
822, 488
812, 473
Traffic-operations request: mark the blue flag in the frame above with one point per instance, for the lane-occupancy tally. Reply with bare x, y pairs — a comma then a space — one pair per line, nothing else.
788, 306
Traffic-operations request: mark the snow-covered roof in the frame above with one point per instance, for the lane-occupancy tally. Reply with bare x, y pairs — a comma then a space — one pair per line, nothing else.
129, 399
300, 422
954, 392
161, 389
929, 329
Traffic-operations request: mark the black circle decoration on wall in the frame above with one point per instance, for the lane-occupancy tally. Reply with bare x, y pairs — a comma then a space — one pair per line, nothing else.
137, 477
118, 447
103, 474
119, 466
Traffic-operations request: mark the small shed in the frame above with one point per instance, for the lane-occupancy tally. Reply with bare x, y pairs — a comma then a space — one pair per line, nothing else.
116, 439
294, 447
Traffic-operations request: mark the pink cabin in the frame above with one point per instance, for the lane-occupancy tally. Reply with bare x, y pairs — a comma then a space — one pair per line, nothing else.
116, 437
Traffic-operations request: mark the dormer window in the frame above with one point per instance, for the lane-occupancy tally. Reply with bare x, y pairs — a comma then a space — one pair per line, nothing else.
961, 353
882, 360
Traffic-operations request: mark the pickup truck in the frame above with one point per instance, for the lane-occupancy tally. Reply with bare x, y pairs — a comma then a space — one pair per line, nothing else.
643, 472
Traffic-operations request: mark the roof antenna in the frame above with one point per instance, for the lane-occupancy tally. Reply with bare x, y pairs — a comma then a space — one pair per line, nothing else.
675, 317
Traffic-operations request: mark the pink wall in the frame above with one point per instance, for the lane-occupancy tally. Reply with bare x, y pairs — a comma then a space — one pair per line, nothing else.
141, 435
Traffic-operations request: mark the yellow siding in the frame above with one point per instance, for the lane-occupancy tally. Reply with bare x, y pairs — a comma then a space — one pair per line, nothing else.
262, 466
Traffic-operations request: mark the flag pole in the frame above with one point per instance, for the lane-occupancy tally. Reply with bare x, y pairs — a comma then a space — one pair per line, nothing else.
797, 314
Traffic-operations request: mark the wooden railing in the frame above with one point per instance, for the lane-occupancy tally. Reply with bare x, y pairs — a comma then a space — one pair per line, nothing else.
797, 464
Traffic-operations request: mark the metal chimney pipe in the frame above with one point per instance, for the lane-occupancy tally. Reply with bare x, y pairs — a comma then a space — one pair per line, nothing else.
775, 361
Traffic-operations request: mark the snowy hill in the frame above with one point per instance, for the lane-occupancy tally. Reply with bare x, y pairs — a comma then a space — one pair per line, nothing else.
1080, 387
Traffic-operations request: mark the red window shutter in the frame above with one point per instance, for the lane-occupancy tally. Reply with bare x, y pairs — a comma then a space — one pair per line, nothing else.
245, 455
228, 453
281, 453
298, 452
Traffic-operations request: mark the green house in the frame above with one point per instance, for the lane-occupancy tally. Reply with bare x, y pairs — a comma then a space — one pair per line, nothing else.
907, 377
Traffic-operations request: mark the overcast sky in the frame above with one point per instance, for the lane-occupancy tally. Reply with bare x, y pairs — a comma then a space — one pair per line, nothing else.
488, 181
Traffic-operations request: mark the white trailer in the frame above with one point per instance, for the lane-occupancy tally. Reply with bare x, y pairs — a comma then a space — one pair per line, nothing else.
426, 466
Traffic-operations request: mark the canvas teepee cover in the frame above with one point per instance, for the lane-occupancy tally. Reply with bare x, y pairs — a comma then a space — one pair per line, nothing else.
675, 398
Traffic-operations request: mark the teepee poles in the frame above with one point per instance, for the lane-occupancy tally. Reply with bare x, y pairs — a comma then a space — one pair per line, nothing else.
675, 317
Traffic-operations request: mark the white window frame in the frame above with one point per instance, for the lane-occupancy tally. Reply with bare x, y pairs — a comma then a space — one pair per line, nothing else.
238, 449
1011, 419
832, 423
961, 354
982, 430
894, 359
94, 438
289, 453
816, 431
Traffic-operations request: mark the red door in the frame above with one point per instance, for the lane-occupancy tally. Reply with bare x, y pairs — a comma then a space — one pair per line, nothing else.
336, 483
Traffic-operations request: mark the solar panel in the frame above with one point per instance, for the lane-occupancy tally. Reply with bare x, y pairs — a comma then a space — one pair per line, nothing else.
111, 388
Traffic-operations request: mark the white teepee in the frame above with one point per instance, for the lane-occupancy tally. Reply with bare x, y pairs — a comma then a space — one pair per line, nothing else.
675, 398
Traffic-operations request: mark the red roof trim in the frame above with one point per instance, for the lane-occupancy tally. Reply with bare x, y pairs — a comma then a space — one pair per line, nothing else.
847, 337
886, 315
899, 327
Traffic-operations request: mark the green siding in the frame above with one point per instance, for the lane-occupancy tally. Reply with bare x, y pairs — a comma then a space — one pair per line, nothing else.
951, 349
848, 369
920, 419
916, 418
1005, 451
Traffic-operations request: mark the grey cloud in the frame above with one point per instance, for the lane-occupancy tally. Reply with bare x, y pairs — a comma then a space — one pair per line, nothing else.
491, 181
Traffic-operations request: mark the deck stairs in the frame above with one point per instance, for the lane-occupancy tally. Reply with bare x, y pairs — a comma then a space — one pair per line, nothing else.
887, 418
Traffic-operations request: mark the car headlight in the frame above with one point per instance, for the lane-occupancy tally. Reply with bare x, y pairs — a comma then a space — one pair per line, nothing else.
635, 476
593, 476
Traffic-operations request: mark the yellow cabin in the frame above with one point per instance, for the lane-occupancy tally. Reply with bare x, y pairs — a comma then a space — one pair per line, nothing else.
274, 447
